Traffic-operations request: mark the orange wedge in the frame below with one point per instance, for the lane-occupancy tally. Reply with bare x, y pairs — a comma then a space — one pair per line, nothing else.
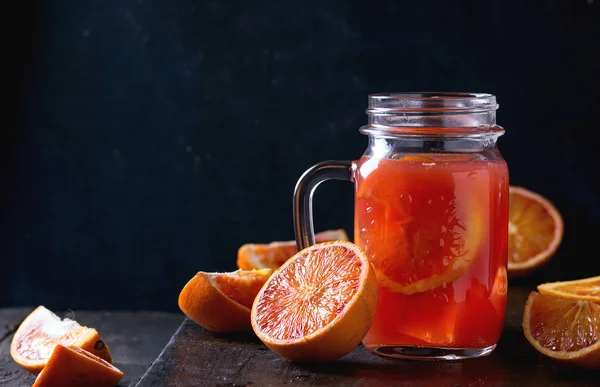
563, 329
73, 367
319, 305
274, 254
535, 231
587, 289
221, 302
42, 330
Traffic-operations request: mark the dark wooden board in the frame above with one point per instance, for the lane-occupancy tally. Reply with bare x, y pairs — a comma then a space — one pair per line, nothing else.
197, 357
134, 340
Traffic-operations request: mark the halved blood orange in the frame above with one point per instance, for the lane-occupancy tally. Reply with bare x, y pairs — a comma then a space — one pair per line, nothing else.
563, 329
586, 289
274, 254
535, 231
70, 366
422, 232
42, 330
318, 305
221, 302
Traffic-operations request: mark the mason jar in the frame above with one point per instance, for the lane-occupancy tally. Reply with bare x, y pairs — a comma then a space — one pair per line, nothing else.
431, 214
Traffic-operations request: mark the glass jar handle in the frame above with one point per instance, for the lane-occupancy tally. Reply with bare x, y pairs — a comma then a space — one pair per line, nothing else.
303, 193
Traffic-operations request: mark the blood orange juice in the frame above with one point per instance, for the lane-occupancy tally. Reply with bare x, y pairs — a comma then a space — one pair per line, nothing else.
435, 229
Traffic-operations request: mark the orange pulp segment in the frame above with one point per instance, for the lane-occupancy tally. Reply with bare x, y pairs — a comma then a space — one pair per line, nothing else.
221, 302
42, 330
70, 366
586, 289
563, 329
274, 254
319, 305
535, 231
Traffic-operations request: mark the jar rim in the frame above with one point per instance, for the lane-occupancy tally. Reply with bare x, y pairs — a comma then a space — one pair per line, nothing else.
427, 102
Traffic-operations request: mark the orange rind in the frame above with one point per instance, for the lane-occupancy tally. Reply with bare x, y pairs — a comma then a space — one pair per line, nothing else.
70, 366
41, 331
535, 231
221, 302
586, 289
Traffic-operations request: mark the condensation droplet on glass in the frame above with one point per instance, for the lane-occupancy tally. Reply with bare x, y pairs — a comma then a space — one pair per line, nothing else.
364, 235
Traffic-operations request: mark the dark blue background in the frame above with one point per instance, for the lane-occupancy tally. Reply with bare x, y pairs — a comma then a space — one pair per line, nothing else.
147, 140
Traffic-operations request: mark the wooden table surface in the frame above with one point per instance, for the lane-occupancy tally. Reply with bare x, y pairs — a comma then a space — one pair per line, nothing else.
135, 339
196, 357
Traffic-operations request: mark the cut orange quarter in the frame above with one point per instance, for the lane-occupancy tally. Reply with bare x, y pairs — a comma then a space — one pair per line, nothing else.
587, 289
535, 231
274, 254
221, 302
73, 367
563, 329
42, 330
319, 305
